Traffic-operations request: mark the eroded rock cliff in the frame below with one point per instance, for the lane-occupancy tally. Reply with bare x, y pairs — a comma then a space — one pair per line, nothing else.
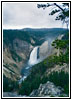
14, 57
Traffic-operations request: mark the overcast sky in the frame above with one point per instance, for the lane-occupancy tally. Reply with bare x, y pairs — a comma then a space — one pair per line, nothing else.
22, 15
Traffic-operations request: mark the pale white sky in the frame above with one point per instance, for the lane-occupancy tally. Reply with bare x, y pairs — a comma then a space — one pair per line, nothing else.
22, 15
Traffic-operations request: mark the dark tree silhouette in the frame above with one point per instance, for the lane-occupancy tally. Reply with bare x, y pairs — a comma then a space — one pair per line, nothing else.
61, 9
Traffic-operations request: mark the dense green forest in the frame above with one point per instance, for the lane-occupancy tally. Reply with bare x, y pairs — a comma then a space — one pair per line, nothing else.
9, 85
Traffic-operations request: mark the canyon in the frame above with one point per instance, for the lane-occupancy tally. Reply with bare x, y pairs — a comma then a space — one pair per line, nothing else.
22, 49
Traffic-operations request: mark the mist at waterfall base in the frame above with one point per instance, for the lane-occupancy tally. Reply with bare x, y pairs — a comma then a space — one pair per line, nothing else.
32, 61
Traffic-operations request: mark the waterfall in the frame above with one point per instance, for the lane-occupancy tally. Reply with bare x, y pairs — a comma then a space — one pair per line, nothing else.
33, 56
34, 59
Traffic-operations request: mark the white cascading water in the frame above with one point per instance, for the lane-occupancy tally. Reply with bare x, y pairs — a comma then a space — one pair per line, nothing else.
33, 57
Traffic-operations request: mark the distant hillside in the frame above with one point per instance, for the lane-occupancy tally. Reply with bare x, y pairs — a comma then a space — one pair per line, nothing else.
27, 34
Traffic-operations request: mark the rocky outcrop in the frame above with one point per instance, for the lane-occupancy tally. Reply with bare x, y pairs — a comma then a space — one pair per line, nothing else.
48, 90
